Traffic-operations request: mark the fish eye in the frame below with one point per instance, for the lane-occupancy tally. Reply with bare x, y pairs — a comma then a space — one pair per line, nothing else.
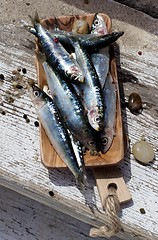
104, 141
36, 93
96, 22
97, 119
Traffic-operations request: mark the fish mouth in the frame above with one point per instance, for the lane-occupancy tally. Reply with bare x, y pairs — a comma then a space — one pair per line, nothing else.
97, 126
76, 74
95, 119
102, 31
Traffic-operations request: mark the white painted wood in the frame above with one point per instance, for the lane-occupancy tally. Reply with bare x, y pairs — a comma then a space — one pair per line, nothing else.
23, 218
20, 166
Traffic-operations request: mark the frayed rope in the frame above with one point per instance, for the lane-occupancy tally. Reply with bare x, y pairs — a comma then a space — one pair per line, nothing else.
112, 208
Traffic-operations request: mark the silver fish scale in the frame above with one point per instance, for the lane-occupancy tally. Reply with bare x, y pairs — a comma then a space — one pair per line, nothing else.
70, 107
99, 98
90, 91
54, 112
58, 135
57, 56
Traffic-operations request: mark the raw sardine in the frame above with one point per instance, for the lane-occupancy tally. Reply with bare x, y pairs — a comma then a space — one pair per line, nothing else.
90, 92
89, 41
55, 129
100, 58
56, 54
71, 107
109, 96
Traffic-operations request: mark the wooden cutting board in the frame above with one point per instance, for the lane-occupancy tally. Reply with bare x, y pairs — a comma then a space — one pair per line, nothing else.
115, 154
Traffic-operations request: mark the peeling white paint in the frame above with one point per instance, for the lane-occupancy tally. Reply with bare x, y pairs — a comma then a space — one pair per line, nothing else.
20, 149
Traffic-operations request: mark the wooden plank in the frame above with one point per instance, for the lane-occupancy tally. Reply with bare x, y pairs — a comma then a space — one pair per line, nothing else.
20, 166
42, 221
148, 7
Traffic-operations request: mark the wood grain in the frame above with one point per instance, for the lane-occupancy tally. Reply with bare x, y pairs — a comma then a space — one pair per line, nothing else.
50, 159
24, 218
111, 176
20, 160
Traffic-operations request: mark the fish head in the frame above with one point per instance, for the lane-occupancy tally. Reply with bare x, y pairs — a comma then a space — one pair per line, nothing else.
117, 35
76, 74
88, 138
107, 136
99, 25
95, 117
38, 96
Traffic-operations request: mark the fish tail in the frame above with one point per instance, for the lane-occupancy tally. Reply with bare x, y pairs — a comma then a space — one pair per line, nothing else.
35, 19
73, 41
28, 27
82, 179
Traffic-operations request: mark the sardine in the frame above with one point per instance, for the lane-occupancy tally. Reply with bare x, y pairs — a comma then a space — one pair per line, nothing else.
56, 54
108, 132
100, 61
71, 107
88, 41
90, 92
55, 129
100, 58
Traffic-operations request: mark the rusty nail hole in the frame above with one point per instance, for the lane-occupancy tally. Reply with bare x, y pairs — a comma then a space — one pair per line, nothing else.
112, 185
51, 193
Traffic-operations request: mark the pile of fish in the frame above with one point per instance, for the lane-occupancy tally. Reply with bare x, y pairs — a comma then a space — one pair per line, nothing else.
80, 111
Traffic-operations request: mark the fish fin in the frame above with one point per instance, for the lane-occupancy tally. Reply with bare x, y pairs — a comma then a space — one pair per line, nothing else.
82, 180
83, 170
28, 27
35, 19
74, 41
95, 15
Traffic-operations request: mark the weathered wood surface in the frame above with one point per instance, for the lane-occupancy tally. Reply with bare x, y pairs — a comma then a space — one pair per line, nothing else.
24, 218
20, 166
149, 7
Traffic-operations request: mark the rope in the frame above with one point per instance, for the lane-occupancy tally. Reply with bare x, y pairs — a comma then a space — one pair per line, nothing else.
112, 208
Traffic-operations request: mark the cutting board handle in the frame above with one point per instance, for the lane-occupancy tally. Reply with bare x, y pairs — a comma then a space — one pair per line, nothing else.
113, 191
